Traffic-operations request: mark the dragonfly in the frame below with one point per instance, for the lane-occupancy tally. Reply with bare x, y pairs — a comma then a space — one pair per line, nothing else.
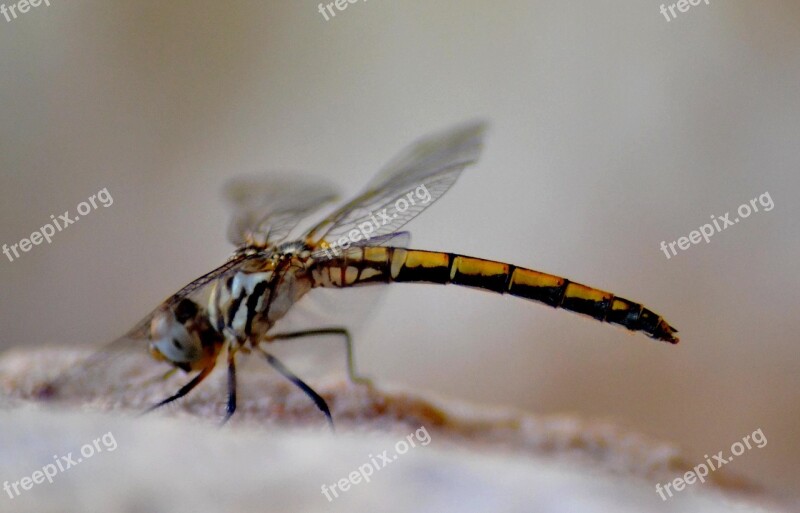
233, 309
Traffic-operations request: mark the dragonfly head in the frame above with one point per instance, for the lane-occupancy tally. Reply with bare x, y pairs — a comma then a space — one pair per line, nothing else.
183, 336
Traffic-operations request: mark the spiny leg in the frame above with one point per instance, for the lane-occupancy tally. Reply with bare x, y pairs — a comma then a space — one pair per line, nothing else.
348, 340
318, 400
185, 389
231, 408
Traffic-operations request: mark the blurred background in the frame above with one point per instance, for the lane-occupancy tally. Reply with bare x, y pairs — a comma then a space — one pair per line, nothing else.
612, 130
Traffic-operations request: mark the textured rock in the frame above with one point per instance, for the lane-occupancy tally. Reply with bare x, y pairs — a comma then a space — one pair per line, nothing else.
278, 449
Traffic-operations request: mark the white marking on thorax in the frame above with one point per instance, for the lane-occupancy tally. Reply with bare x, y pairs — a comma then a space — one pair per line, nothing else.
245, 283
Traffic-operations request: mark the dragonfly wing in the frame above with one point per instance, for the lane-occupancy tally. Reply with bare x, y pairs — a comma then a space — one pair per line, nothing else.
326, 307
409, 184
118, 372
352, 308
266, 209
396, 239
111, 377
201, 285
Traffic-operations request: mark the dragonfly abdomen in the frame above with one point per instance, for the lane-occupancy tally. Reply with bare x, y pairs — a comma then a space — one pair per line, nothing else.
364, 265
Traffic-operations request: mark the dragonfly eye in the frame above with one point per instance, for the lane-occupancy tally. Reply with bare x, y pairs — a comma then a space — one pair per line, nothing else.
171, 340
186, 309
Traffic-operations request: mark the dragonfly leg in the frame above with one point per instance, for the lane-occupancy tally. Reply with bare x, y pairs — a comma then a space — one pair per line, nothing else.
299, 383
162, 377
348, 341
185, 389
231, 408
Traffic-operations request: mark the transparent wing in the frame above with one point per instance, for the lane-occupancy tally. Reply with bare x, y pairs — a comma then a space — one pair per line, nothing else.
409, 184
352, 308
322, 307
266, 209
124, 367
196, 290
396, 240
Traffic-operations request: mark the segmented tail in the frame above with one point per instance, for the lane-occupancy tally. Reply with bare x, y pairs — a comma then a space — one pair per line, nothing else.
376, 264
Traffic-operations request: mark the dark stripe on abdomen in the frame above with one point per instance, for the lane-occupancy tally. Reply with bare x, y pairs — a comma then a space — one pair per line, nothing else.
407, 265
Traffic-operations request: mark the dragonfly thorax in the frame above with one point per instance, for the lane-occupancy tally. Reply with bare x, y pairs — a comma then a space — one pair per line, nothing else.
247, 304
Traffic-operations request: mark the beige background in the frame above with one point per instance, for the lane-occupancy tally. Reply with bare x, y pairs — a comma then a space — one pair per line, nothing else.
612, 131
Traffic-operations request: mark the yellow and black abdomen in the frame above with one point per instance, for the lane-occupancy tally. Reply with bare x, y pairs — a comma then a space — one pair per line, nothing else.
360, 266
